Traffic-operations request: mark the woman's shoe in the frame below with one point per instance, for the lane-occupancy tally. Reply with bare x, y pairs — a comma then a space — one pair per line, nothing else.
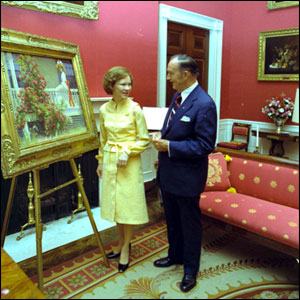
112, 255
122, 268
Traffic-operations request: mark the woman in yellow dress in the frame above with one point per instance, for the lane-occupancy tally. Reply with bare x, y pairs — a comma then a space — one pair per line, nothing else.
123, 137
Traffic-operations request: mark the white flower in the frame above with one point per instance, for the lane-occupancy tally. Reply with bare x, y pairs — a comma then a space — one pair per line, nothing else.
279, 108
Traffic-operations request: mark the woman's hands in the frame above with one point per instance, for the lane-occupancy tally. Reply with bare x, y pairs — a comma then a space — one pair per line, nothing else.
122, 161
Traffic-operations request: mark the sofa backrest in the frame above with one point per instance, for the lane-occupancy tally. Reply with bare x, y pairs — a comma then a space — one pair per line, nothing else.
272, 182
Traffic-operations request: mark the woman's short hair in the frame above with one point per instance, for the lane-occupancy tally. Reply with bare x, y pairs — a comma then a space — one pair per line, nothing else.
186, 62
112, 76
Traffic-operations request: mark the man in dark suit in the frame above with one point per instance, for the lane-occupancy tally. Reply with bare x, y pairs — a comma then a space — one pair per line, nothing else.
187, 137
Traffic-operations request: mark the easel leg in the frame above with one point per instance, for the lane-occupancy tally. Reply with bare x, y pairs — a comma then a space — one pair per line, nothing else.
88, 209
8, 208
38, 227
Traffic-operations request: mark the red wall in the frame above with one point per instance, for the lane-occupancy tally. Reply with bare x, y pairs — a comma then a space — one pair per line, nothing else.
127, 34
242, 95
247, 95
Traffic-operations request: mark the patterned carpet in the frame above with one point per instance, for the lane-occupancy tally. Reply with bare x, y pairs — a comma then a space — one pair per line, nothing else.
231, 268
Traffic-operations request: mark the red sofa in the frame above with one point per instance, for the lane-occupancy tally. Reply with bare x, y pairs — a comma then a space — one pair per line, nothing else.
265, 206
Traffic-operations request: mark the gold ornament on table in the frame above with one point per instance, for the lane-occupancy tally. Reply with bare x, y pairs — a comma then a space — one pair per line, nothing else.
31, 219
279, 109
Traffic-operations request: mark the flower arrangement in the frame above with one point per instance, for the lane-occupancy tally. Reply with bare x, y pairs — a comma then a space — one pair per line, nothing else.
35, 104
279, 108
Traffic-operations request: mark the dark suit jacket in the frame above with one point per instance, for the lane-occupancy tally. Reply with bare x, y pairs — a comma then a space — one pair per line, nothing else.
192, 136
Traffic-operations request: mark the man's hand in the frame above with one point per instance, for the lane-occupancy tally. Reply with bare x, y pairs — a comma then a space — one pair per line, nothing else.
156, 136
160, 144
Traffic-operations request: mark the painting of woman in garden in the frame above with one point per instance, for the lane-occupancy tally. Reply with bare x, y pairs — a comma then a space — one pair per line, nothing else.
44, 96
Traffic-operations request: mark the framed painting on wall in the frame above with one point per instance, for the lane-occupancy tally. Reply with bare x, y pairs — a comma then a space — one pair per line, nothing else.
281, 4
46, 113
278, 55
78, 9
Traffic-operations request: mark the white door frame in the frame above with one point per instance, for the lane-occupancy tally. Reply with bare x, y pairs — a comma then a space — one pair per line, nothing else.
215, 27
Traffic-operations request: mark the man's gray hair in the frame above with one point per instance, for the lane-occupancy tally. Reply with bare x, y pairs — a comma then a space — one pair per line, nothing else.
186, 63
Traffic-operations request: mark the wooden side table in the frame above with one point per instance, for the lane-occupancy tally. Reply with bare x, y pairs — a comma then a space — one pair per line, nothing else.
14, 282
277, 139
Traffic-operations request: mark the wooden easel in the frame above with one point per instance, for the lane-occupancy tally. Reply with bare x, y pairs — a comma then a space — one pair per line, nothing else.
38, 221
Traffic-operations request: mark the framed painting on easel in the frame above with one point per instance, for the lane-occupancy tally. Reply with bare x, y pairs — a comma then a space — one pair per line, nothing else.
46, 113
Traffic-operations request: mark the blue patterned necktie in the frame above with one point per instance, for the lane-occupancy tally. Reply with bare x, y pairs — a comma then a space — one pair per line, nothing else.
175, 107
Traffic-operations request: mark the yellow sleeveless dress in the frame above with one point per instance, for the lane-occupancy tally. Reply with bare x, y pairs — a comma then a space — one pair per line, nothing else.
123, 129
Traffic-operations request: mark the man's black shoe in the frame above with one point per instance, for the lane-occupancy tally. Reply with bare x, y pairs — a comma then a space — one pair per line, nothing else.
164, 262
188, 282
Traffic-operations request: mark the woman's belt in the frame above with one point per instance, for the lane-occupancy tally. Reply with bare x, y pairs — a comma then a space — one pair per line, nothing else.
116, 147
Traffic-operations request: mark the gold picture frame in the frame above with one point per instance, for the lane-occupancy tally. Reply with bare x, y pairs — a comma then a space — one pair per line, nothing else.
281, 4
78, 9
278, 55
46, 112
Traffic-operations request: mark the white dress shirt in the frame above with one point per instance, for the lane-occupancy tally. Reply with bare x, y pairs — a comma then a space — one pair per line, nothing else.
186, 92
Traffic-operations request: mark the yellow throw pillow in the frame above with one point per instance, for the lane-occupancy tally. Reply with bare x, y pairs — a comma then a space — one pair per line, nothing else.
231, 190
